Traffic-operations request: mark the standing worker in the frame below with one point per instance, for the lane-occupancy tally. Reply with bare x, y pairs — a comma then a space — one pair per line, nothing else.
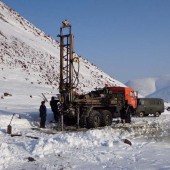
128, 110
128, 116
55, 109
125, 113
43, 114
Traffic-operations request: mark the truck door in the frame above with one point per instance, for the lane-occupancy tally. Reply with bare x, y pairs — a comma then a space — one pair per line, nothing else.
131, 98
149, 106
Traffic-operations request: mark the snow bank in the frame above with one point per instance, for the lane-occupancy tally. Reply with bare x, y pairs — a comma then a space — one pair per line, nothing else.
93, 149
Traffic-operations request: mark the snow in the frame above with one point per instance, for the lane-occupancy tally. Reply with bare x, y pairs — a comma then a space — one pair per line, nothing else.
92, 149
24, 49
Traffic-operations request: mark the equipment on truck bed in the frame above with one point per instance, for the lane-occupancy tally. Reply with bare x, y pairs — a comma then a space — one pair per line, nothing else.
98, 107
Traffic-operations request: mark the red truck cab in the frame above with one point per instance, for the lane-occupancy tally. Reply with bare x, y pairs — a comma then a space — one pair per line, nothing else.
129, 94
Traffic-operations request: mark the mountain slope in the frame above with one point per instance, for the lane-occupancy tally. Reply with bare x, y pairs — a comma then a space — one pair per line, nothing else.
163, 93
153, 86
37, 54
144, 86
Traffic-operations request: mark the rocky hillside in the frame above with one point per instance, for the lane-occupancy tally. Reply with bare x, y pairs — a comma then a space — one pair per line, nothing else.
28, 49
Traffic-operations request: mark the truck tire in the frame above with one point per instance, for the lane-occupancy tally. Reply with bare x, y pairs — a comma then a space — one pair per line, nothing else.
156, 114
94, 119
106, 118
141, 114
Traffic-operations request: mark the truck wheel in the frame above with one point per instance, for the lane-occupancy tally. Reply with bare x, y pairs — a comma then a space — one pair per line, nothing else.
106, 118
156, 114
94, 119
141, 114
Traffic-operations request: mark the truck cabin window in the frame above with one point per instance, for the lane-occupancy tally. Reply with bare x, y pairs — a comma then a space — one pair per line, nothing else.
132, 94
140, 102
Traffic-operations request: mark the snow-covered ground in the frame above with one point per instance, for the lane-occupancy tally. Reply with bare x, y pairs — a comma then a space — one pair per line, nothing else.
92, 149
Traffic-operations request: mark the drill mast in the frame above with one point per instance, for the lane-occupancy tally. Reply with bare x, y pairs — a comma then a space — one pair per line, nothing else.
66, 64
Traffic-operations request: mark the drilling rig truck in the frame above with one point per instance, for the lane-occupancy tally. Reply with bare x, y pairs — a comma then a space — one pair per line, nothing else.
94, 109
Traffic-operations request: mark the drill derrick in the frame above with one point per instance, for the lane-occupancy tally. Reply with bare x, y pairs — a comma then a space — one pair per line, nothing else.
66, 64
67, 71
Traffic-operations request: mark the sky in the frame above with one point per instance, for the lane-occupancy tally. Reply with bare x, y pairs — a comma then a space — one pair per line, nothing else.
127, 39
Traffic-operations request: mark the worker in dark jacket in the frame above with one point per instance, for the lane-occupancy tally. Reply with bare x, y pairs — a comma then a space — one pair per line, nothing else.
55, 109
126, 113
43, 114
123, 114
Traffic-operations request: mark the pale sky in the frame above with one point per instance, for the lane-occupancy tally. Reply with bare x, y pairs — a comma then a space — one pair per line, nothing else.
127, 39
